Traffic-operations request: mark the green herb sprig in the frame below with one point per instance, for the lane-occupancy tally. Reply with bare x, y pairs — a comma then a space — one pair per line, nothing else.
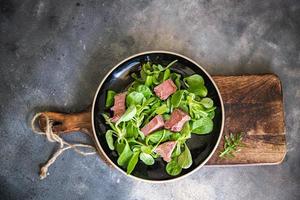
232, 144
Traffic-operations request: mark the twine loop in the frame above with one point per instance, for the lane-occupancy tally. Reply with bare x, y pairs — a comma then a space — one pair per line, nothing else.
63, 145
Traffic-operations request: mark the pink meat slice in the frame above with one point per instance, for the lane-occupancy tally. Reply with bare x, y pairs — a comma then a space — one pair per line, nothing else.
119, 106
156, 123
177, 120
165, 89
165, 150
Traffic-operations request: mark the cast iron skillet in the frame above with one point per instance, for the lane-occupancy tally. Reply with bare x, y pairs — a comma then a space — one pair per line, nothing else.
91, 122
201, 147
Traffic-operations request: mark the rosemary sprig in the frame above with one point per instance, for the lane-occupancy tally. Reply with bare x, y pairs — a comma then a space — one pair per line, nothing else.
232, 144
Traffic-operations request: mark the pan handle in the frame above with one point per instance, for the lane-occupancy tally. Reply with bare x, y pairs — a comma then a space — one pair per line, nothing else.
66, 123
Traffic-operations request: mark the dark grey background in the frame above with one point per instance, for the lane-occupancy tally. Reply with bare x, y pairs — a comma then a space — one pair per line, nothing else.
54, 54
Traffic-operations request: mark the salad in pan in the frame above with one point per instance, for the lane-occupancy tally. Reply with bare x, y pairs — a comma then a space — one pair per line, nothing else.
155, 117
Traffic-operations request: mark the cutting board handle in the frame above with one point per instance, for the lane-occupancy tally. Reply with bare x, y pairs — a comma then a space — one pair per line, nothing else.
63, 123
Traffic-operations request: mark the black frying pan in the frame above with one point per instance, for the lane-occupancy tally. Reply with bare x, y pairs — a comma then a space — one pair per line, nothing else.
201, 146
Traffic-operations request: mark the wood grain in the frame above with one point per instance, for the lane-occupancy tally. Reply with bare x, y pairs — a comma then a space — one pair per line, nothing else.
253, 104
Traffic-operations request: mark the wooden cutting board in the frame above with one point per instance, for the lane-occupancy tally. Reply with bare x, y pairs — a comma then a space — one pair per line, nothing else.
253, 105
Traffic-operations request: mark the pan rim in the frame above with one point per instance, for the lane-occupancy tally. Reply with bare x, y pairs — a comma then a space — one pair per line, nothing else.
102, 152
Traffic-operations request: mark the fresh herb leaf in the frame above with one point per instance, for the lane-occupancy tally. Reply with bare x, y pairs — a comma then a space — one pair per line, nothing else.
149, 81
131, 130
173, 168
134, 98
177, 150
162, 109
108, 121
232, 144
186, 131
125, 155
166, 74
155, 137
185, 158
202, 126
207, 102
128, 115
200, 90
147, 158
133, 161
146, 149
109, 139
120, 147
145, 90
193, 80
177, 98
176, 78
110, 98
195, 84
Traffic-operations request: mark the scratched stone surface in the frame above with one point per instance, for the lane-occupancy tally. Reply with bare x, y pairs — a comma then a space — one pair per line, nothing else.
54, 54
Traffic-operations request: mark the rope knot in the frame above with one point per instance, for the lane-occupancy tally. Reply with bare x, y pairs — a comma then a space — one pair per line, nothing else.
52, 137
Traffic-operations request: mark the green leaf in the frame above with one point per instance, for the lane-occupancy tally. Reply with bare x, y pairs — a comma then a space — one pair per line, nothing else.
107, 120
120, 147
145, 90
200, 90
184, 107
207, 102
128, 115
194, 80
149, 81
173, 168
176, 98
166, 117
146, 149
157, 135
211, 114
175, 136
186, 131
135, 77
160, 68
156, 79
202, 126
195, 84
109, 139
110, 98
177, 151
147, 158
125, 155
166, 75
147, 68
141, 134
131, 130
185, 158
143, 74
162, 109
132, 162
134, 98
176, 78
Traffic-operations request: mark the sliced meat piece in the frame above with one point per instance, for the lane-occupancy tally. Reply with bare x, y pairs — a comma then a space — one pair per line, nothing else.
155, 123
165, 89
177, 120
119, 106
165, 150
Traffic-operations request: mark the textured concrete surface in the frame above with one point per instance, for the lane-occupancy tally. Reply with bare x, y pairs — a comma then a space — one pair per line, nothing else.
54, 54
